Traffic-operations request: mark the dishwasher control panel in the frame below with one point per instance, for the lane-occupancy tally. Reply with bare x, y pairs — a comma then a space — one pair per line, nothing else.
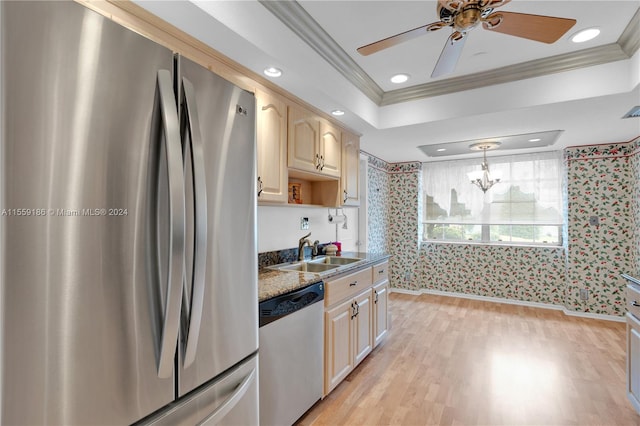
277, 307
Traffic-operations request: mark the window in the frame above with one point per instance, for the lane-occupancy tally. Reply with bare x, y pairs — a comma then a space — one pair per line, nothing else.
523, 208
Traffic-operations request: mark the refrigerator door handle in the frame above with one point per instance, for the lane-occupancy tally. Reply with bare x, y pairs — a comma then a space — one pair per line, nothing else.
231, 401
171, 320
200, 212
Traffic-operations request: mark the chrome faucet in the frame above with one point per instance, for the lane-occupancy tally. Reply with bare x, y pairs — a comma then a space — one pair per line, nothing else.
314, 250
301, 243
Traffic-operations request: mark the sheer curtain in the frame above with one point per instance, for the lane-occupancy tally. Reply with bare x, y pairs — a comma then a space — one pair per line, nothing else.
529, 191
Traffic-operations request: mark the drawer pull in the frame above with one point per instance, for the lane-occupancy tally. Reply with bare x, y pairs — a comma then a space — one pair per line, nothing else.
381, 271
353, 284
634, 303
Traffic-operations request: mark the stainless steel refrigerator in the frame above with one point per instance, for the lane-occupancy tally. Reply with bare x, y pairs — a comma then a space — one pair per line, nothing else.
128, 234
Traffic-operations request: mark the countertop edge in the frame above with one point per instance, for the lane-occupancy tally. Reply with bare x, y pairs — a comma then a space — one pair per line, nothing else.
272, 283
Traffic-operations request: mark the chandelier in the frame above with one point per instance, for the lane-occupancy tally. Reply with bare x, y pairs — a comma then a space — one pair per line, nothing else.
482, 178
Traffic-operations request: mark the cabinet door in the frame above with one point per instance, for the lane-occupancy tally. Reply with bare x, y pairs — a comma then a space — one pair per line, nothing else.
380, 326
271, 136
633, 361
304, 136
330, 150
338, 344
362, 322
350, 169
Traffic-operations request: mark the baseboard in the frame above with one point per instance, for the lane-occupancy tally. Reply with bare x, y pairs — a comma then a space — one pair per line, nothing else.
509, 302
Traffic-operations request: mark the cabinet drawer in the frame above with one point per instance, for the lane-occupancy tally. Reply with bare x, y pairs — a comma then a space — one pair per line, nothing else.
633, 300
380, 271
349, 285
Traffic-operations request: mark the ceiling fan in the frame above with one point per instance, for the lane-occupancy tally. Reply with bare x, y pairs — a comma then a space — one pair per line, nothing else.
463, 16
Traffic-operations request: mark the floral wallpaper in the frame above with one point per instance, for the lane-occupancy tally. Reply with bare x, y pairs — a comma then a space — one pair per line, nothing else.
393, 208
403, 225
532, 274
599, 185
377, 211
635, 206
601, 181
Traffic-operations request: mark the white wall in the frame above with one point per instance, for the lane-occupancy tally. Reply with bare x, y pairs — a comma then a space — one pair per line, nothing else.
279, 227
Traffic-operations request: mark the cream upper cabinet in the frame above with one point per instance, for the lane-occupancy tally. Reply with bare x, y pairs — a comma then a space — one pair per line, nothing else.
350, 175
330, 150
314, 145
304, 140
271, 137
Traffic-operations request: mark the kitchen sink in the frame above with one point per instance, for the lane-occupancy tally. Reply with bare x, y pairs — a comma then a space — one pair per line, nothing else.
307, 267
318, 266
333, 260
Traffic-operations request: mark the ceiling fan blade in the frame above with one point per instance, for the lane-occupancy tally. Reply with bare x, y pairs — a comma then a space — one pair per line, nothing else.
546, 29
449, 55
399, 38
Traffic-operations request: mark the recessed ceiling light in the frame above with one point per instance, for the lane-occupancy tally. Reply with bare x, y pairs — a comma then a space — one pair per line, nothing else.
272, 72
441, 149
337, 112
399, 78
585, 35
535, 140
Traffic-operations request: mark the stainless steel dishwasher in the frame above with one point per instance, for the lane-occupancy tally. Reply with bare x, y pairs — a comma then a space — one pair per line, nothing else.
291, 354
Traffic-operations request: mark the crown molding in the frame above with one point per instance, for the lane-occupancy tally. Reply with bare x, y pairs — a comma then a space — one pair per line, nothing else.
525, 70
293, 15
300, 22
629, 40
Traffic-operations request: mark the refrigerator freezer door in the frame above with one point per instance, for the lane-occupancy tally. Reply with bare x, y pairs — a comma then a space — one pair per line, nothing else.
231, 399
82, 315
228, 329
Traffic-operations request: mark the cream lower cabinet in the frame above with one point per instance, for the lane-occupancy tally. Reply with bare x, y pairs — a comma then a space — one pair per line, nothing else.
380, 325
338, 344
348, 325
380, 297
633, 361
362, 326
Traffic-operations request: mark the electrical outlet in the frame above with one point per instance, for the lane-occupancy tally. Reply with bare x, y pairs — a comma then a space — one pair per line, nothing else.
304, 223
594, 220
407, 276
584, 294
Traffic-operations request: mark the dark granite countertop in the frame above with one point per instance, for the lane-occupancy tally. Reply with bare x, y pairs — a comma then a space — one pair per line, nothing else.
272, 283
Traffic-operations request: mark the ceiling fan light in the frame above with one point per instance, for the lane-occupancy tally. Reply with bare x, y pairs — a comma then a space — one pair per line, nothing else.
399, 78
585, 35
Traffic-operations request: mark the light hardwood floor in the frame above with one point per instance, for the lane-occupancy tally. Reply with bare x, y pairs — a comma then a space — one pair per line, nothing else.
454, 361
